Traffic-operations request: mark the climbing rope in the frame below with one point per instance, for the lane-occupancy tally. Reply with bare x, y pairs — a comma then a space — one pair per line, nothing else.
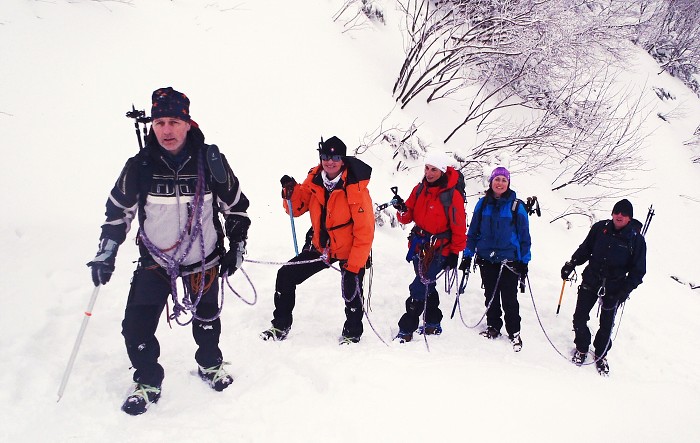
173, 261
488, 305
600, 303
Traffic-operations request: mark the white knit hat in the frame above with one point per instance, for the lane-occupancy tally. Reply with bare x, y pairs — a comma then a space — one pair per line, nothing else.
438, 159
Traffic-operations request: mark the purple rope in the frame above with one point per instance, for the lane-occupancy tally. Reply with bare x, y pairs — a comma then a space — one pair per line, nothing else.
302, 262
342, 287
175, 259
426, 282
255, 293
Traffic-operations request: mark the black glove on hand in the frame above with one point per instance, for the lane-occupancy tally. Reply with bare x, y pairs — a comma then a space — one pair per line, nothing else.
233, 259
466, 263
567, 269
344, 267
622, 297
288, 184
450, 261
399, 204
103, 263
521, 268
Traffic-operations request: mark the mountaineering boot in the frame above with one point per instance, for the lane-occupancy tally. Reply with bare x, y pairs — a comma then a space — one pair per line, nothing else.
430, 329
517, 342
344, 340
274, 334
490, 333
601, 365
404, 337
579, 357
138, 401
216, 377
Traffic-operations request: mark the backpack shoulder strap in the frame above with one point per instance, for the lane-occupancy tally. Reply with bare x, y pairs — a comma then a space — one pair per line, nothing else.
419, 188
446, 200
215, 164
514, 211
145, 168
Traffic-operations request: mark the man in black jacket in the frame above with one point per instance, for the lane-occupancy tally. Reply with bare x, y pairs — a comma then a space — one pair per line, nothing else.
177, 196
616, 254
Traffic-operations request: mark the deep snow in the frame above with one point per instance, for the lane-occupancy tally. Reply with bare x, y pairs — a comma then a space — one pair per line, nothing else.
266, 80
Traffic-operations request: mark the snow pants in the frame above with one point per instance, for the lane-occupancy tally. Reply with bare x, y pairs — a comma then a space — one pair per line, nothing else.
416, 301
587, 298
291, 275
150, 288
504, 295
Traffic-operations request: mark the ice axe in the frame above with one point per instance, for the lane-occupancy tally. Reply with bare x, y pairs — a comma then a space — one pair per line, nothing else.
394, 200
139, 116
561, 294
460, 291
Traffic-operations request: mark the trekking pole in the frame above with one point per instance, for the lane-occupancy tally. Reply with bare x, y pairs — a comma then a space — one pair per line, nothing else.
294, 231
647, 222
563, 283
460, 291
78, 340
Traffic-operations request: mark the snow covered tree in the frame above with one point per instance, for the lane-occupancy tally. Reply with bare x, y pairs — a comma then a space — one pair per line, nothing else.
672, 37
551, 56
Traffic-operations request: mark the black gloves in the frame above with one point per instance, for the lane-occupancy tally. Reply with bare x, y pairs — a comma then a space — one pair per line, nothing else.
399, 204
567, 269
450, 261
466, 263
622, 297
103, 263
344, 267
520, 268
288, 184
233, 259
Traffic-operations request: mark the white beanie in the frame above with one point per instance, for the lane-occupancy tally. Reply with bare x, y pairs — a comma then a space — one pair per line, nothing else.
438, 159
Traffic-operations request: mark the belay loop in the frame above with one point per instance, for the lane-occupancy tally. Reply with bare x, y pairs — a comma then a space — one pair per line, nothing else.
173, 260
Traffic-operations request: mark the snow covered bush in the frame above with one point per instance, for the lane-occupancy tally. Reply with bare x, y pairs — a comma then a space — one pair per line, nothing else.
672, 37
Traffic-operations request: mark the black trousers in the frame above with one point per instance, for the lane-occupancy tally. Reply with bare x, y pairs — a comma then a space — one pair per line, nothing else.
291, 275
504, 296
587, 298
150, 288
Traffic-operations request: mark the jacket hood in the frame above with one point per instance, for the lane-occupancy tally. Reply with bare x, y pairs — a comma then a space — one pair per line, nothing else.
634, 226
452, 177
508, 196
357, 170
